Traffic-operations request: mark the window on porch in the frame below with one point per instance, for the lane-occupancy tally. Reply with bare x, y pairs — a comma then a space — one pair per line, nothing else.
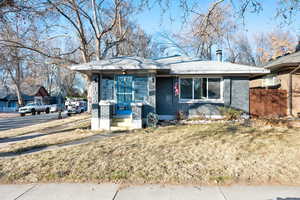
107, 88
140, 89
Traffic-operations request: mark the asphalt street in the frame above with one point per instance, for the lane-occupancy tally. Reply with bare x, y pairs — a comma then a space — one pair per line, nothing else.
18, 122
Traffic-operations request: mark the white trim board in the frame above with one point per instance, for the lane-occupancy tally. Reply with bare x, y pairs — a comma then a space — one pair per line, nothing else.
172, 117
166, 117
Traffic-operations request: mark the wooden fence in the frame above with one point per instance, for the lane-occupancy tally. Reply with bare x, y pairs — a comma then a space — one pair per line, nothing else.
268, 102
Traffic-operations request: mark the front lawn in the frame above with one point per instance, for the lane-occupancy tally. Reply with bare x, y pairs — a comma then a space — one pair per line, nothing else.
183, 154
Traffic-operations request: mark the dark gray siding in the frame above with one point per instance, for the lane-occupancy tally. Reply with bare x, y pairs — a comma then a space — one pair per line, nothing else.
235, 91
240, 93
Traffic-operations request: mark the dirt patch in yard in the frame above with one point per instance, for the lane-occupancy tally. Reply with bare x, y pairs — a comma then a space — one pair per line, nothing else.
186, 154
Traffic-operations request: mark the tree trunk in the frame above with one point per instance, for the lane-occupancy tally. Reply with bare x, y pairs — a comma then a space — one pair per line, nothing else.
18, 78
19, 95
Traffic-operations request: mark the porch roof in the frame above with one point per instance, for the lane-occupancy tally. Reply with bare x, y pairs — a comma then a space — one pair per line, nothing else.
174, 65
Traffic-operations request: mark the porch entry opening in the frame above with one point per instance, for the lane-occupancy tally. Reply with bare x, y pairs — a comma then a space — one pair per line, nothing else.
124, 94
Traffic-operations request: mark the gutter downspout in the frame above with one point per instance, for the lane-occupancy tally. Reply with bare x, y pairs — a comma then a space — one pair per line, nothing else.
290, 91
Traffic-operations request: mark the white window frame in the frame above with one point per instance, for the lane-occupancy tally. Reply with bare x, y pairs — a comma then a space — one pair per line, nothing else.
206, 100
116, 92
270, 80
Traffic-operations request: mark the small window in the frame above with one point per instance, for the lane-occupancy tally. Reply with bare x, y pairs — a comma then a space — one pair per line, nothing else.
200, 88
214, 88
271, 80
186, 88
107, 88
140, 88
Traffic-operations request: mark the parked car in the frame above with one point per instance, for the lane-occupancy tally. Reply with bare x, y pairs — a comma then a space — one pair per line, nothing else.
75, 107
55, 108
34, 108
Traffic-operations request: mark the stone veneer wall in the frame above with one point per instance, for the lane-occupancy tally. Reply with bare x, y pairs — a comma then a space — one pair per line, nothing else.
95, 97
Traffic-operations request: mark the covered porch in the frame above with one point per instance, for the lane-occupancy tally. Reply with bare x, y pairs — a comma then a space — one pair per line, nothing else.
122, 98
123, 90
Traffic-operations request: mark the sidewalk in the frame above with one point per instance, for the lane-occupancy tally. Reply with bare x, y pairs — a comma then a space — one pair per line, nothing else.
147, 192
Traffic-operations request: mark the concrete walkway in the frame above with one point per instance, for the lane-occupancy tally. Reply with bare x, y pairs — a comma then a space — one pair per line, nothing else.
86, 140
147, 192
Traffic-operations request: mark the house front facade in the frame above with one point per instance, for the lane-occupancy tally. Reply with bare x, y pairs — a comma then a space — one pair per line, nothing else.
132, 87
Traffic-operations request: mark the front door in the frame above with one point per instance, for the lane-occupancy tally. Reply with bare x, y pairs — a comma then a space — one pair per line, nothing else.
124, 94
165, 104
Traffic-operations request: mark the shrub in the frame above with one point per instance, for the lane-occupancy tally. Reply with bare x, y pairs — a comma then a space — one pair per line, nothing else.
152, 119
180, 115
230, 113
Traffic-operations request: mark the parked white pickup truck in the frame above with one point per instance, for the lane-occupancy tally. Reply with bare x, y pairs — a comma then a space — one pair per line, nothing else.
34, 108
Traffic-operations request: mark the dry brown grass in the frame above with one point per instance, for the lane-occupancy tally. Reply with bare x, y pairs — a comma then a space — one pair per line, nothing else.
42, 126
189, 154
70, 133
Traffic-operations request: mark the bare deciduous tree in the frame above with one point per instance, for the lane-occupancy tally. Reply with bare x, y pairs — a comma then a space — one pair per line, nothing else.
239, 50
273, 44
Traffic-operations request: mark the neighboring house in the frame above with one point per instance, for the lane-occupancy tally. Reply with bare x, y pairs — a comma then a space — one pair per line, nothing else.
9, 101
3, 93
132, 87
285, 75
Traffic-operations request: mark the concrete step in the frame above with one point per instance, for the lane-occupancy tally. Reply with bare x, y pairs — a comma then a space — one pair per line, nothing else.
126, 123
120, 128
121, 120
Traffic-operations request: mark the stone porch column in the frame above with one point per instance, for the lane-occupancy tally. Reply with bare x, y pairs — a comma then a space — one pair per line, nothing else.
152, 91
95, 111
136, 115
105, 114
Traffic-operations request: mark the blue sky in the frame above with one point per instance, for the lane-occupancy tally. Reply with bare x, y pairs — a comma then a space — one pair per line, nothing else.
153, 22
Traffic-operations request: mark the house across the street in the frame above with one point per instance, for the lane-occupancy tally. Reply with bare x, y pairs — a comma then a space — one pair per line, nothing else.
131, 87
9, 99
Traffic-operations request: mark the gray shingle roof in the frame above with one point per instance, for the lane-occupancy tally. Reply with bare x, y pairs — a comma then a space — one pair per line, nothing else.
119, 63
289, 60
174, 64
214, 67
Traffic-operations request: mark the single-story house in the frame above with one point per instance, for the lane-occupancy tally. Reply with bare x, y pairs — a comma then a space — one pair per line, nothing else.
131, 87
9, 99
284, 75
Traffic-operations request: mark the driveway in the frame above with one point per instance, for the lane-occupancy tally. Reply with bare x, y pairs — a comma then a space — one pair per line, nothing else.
145, 192
18, 122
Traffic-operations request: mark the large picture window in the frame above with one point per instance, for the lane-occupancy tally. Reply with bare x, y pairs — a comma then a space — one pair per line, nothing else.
200, 88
